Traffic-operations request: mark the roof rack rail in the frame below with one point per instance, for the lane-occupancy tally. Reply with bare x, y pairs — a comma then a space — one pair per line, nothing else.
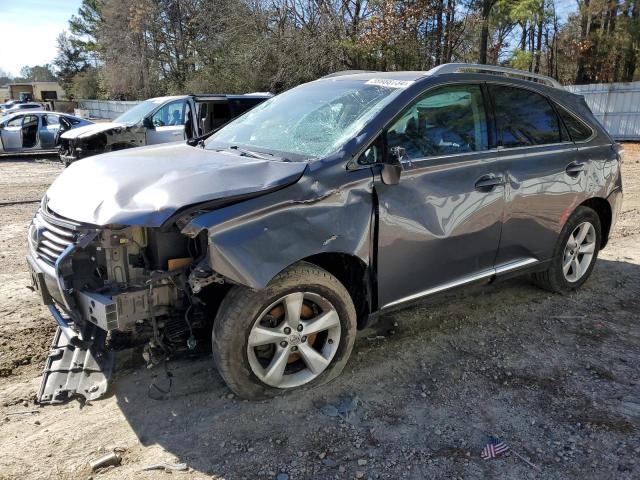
509, 72
347, 72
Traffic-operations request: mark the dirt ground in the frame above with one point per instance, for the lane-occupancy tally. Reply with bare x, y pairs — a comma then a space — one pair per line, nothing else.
556, 377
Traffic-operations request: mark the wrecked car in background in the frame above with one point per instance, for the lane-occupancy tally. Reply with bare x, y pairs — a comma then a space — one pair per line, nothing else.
294, 225
36, 130
157, 120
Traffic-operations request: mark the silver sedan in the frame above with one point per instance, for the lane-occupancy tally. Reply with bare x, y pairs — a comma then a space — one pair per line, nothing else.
30, 131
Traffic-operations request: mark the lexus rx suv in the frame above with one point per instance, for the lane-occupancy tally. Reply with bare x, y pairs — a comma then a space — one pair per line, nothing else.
272, 241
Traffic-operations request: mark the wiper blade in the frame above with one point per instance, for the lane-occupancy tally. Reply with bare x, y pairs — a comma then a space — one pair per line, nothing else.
250, 153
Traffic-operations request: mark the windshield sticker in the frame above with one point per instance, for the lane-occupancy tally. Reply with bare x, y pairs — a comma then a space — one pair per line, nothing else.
385, 82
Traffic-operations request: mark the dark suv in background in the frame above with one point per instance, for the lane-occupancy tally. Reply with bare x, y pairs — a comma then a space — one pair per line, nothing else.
305, 218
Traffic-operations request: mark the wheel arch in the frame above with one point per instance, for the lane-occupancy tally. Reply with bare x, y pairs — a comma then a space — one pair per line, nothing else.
603, 209
355, 275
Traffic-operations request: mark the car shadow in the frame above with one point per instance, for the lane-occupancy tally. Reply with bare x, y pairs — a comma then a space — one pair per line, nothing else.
189, 411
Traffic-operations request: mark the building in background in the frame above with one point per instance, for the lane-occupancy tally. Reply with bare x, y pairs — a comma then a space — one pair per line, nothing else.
36, 91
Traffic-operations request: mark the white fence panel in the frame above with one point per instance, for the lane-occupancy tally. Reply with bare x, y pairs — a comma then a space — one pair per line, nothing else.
108, 109
616, 105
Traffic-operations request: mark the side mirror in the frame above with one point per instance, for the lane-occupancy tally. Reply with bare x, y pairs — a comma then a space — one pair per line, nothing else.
392, 168
148, 123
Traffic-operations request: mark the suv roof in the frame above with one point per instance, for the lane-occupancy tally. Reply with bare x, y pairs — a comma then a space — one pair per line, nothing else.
449, 68
213, 96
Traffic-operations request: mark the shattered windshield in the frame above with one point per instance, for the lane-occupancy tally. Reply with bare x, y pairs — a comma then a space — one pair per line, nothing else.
137, 113
312, 120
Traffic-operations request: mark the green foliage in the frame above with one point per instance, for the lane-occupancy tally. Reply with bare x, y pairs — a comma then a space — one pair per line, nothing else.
86, 84
71, 60
37, 73
521, 60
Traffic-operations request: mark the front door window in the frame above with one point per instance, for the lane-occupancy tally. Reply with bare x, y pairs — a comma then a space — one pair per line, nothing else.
172, 114
446, 121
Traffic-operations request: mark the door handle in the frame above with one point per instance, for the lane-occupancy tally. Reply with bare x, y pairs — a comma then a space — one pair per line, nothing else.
574, 169
486, 183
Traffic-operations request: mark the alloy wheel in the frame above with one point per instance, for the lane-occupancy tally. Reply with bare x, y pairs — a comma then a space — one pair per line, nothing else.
579, 251
294, 340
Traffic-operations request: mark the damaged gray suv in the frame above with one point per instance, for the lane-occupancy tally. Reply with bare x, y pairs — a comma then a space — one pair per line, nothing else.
272, 241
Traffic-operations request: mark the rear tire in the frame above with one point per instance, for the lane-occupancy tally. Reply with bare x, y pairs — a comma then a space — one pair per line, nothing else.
261, 348
575, 253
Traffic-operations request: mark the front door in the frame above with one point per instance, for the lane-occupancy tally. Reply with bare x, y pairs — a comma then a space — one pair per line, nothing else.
12, 134
168, 123
440, 226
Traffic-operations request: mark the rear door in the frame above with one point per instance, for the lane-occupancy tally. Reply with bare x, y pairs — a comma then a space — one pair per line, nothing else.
545, 179
168, 123
49, 130
440, 226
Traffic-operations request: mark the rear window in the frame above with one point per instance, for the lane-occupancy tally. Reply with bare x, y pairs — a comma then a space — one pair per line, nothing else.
524, 118
577, 129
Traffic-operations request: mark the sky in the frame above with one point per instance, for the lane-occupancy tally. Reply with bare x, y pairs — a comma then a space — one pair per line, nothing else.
28, 31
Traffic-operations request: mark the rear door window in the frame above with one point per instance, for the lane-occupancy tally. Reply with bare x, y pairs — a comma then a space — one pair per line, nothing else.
50, 120
524, 118
578, 130
445, 121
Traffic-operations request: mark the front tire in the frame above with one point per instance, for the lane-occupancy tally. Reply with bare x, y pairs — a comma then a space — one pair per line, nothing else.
297, 332
575, 253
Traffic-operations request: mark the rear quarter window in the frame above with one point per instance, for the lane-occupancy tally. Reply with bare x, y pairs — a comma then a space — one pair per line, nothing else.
524, 118
578, 130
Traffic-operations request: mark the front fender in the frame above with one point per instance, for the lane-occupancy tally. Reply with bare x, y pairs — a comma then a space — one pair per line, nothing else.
328, 210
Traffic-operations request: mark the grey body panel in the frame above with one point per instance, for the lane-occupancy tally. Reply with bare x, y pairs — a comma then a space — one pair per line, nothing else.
434, 226
145, 186
541, 195
168, 133
11, 138
327, 211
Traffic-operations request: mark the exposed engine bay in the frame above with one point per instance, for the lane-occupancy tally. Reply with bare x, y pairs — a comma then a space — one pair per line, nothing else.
140, 287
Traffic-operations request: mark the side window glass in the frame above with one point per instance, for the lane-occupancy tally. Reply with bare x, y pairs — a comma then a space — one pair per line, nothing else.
51, 120
578, 130
373, 154
15, 122
524, 117
171, 114
30, 121
445, 121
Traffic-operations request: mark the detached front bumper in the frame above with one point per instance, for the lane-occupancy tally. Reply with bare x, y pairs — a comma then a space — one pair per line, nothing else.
78, 362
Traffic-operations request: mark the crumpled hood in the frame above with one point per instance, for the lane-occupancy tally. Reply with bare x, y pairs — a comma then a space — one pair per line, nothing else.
89, 130
145, 186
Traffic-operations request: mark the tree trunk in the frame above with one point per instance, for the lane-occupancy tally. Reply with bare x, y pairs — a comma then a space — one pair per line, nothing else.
487, 5
582, 75
536, 67
438, 33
